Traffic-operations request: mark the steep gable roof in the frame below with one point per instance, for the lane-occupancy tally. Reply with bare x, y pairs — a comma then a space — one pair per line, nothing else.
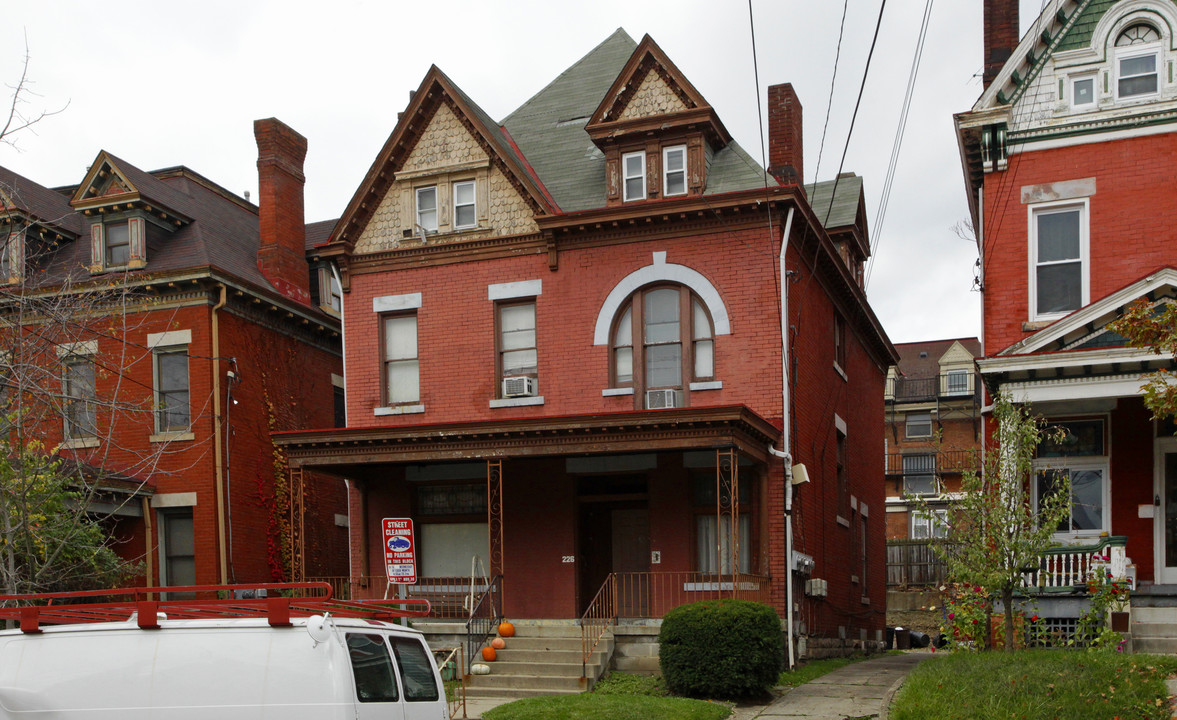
110, 179
435, 89
38, 203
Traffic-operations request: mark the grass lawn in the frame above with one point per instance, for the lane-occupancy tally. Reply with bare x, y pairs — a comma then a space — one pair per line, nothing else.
594, 706
1037, 685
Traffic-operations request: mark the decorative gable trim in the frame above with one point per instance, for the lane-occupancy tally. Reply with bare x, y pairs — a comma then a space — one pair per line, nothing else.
103, 185
610, 120
435, 89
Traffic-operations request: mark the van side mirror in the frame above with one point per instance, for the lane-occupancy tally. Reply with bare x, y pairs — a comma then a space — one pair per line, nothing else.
318, 628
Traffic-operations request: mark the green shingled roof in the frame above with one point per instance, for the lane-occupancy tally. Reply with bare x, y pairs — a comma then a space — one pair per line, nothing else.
1080, 33
845, 206
549, 131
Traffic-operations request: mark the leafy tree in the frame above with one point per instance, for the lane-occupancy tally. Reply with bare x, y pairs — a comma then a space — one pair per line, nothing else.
1154, 330
996, 531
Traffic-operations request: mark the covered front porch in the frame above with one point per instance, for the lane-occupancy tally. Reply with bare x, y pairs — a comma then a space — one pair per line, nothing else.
586, 518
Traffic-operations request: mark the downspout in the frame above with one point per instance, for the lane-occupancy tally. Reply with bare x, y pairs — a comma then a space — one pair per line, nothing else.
785, 454
218, 450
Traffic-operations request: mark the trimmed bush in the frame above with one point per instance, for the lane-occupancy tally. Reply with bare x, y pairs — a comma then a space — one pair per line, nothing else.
721, 649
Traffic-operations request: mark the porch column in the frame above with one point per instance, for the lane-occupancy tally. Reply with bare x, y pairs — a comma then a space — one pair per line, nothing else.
297, 524
727, 503
494, 514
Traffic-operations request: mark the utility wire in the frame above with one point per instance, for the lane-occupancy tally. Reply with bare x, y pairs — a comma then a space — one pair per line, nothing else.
889, 181
830, 102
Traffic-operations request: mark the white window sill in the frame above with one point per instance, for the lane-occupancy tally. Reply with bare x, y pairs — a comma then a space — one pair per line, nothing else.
172, 436
707, 385
517, 402
865, 600
838, 369
399, 410
75, 443
843, 521
854, 579
610, 392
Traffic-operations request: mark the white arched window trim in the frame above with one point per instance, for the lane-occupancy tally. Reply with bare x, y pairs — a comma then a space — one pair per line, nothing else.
661, 271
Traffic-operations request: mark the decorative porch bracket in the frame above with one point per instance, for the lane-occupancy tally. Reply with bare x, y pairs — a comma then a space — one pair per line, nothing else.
494, 516
727, 502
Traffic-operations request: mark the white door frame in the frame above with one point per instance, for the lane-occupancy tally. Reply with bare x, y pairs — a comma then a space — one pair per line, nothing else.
1161, 447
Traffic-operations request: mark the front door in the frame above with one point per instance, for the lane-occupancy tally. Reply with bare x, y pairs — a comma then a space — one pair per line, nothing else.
1165, 510
631, 560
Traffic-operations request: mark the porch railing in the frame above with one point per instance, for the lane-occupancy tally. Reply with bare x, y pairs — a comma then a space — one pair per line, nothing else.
1068, 568
484, 616
449, 596
650, 595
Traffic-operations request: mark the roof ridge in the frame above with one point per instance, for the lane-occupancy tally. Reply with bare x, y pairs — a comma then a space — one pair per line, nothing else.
619, 33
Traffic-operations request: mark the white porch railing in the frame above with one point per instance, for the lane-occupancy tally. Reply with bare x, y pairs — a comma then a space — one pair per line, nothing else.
1067, 568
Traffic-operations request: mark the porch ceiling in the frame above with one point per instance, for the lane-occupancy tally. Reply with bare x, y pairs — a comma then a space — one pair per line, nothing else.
643, 431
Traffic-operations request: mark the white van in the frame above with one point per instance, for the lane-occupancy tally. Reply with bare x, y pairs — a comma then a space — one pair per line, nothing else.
316, 667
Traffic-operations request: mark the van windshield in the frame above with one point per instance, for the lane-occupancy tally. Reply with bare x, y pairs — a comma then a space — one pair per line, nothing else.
372, 668
416, 669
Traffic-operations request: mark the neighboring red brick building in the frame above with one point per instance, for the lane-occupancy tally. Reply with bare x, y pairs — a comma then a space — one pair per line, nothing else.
564, 354
933, 431
205, 339
1069, 161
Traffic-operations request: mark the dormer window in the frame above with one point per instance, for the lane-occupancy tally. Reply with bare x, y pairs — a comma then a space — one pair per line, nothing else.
427, 209
634, 169
1137, 62
117, 245
674, 170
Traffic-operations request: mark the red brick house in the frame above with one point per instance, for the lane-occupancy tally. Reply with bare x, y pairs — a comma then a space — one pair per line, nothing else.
564, 355
1068, 159
168, 390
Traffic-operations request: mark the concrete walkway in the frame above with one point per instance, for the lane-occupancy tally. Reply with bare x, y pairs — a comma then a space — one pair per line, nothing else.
860, 690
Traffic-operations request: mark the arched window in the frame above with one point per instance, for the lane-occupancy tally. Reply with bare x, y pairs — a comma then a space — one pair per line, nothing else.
662, 340
1138, 61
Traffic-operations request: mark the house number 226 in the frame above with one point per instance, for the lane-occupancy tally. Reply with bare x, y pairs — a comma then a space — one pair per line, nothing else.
568, 558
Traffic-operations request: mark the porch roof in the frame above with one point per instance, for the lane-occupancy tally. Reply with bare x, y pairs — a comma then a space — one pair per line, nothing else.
339, 449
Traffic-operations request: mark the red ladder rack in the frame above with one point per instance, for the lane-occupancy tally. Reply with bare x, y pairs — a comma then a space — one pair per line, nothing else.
298, 600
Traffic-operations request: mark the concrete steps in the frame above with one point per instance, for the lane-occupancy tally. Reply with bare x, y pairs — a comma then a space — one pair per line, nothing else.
1153, 629
544, 658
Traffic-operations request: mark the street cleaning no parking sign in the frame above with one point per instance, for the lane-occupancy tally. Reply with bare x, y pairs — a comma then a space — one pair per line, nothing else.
400, 550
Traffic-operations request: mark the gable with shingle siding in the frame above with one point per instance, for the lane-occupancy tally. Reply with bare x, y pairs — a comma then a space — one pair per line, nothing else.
654, 96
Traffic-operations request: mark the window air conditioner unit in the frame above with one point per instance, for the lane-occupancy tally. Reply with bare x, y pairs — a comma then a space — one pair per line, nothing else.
657, 399
518, 386
816, 587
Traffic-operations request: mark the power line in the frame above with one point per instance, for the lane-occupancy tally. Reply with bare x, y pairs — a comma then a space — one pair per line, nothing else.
888, 182
830, 102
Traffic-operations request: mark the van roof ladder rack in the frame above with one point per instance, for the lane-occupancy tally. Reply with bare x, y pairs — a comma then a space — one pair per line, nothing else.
278, 604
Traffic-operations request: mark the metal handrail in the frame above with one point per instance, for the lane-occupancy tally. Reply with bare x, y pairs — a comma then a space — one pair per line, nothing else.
485, 616
597, 619
443, 657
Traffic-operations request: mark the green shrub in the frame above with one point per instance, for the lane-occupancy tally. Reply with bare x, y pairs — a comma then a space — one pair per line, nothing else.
721, 648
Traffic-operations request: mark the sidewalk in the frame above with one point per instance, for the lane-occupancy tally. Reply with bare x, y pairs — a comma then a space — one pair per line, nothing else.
860, 690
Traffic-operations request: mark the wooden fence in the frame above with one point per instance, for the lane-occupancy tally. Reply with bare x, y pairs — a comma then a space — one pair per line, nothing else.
914, 563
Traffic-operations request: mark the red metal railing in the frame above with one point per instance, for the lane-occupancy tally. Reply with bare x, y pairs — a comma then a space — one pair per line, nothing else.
449, 596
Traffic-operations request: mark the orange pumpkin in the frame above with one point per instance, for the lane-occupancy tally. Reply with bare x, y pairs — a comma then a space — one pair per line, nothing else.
498, 643
506, 629
489, 654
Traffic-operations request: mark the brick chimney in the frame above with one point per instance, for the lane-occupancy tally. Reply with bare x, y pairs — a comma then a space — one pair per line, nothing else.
1001, 36
281, 256
785, 149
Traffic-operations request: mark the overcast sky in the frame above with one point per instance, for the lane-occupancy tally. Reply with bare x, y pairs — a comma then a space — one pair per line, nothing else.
160, 86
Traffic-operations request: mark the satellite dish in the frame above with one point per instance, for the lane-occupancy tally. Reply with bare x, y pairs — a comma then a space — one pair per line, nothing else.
318, 628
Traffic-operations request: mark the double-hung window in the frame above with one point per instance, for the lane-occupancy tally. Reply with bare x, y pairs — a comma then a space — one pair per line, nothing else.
427, 209
401, 365
464, 213
1138, 59
633, 167
80, 397
117, 244
1058, 249
674, 170
918, 425
930, 524
956, 382
919, 474
172, 409
518, 356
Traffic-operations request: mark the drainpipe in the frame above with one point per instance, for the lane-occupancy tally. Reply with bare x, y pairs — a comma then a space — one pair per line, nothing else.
150, 547
785, 454
218, 450
343, 348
